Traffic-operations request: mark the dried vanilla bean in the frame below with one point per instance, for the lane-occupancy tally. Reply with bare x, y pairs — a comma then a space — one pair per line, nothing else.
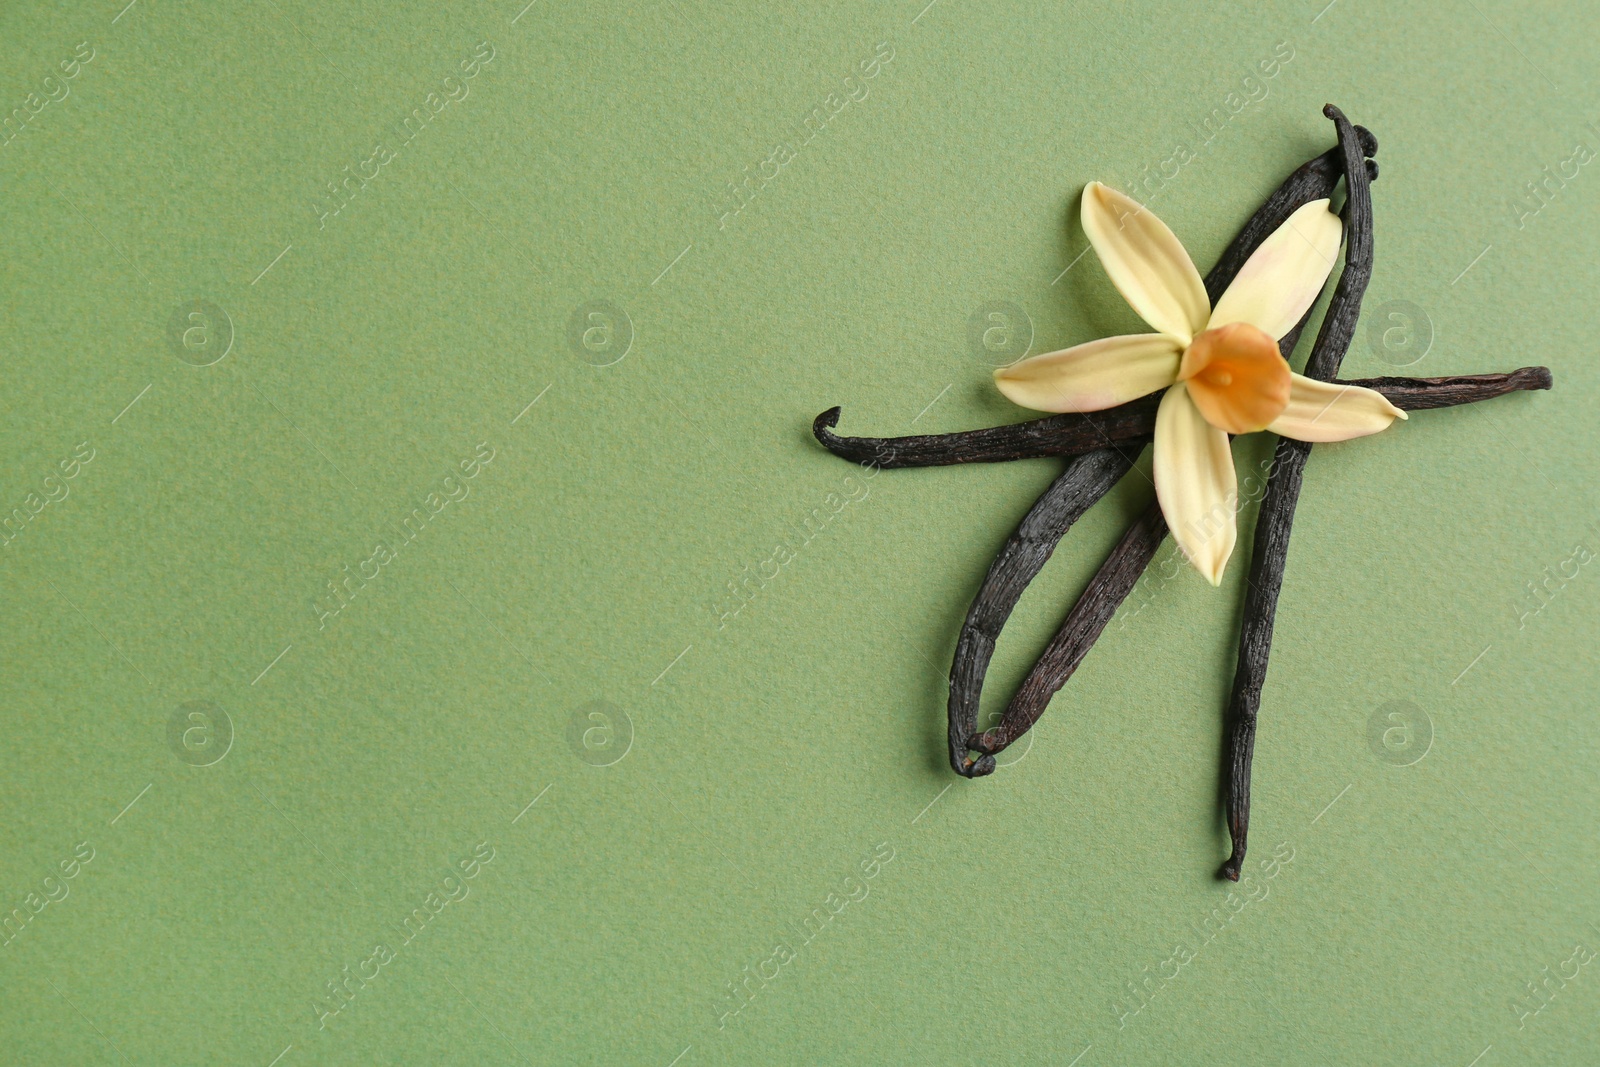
1419, 394
1080, 487
1276, 519
1105, 593
1073, 434
1057, 435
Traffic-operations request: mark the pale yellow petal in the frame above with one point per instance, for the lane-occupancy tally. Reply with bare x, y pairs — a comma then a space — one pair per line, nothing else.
1283, 277
1146, 263
1195, 483
1093, 376
1323, 411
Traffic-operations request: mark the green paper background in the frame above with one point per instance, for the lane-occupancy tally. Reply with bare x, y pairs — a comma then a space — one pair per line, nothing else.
766, 755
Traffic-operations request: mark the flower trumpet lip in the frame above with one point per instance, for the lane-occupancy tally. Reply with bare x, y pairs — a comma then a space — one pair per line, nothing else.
1220, 366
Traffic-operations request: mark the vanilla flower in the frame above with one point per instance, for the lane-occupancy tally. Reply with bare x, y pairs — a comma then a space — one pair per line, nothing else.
1220, 366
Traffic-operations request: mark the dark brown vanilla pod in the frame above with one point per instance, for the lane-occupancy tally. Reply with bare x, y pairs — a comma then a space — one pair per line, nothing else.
1339, 325
1056, 435
1276, 520
1084, 623
1270, 554
1420, 394
1080, 487
1073, 435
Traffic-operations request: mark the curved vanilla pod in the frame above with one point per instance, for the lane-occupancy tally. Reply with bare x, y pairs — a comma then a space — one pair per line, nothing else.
1105, 593
1058, 435
1276, 519
1080, 487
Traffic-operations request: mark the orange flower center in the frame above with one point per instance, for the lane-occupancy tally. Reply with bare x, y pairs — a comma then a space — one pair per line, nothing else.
1237, 377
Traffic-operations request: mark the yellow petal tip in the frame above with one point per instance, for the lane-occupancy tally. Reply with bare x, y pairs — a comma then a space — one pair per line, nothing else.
1213, 570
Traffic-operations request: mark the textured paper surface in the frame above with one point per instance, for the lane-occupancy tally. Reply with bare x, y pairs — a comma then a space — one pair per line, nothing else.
271, 776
